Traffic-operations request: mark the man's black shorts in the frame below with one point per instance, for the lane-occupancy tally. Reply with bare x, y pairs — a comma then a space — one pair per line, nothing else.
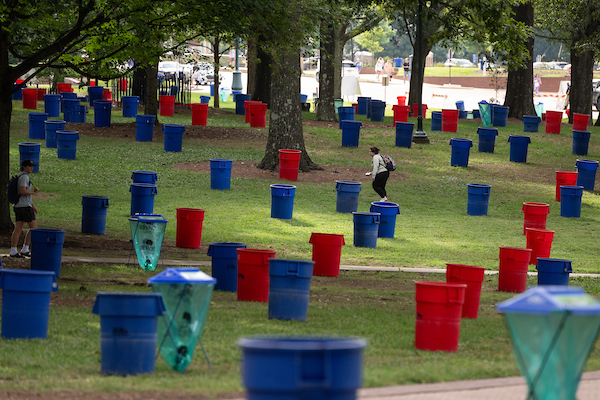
24, 214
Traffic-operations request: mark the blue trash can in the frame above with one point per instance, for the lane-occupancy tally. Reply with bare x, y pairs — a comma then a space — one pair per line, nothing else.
531, 123
282, 201
518, 148
102, 109
36, 125
144, 127
377, 110
487, 139
347, 196
144, 176
52, 104
173, 136
500, 115
581, 141
404, 134
128, 324
66, 144
350, 132
93, 214
30, 151
345, 114
436, 120
478, 198
570, 201
303, 98
462, 114
51, 128
46, 249
366, 228
66, 97
289, 287
18, 95
302, 367
130, 106
476, 114
220, 174
95, 93
78, 114
553, 271
224, 264
586, 173
69, 109
212, 89
26, 302
142, 198
205, 99
363, 105
387, 222
460, 105
460, 152
239, 103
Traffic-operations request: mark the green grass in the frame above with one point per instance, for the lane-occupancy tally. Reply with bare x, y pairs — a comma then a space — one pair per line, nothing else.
433, 229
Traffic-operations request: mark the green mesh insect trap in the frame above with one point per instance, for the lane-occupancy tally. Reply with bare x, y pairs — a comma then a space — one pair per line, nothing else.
147, 232
186, 293
553, 330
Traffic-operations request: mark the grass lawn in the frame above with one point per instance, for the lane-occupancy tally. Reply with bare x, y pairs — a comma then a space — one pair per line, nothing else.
433, 229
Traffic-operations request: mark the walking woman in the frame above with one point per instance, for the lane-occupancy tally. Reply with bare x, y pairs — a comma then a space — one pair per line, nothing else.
380, 174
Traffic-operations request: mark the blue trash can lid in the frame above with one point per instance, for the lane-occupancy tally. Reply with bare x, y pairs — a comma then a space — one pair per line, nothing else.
36, 287
140, 217
301, 343
182, 275
549, 299
586, 164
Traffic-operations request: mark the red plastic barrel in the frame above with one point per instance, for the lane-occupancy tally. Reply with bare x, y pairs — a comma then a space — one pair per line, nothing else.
64, 87
166, 105
247, 104
30, 98
553, 121
355, 105
401, 100
199, 113
512, 276
535, 215
472, 276
565, 178
326, 253
106, 94
439, 307
450, 120
415, 110
258, 115
289, 162
253, 274
189, 228
540, 243
400, 113
580, 121
40, 94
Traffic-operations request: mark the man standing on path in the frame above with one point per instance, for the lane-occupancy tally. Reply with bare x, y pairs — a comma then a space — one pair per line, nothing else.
24, 211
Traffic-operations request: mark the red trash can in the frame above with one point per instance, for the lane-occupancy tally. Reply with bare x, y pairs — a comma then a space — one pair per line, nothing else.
106, 94
512, 276
258, 115
540, 243
415, 110
199, 113
580, 122
535, 215
289, 163
401, 100
553, 121
64, 87
450, 120
439, 308
253, 274
29, 98
166, 105
247, 104
40, 93
565, 178
189, 228
400, 113
472, 276
326, 253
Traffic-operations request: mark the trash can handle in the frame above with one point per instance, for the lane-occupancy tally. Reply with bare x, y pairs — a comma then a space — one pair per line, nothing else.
305, 360
292, 269
454, 296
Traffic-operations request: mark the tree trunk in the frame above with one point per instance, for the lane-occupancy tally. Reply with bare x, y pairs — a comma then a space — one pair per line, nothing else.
251, 67
326, 109
139, 82
339, 40
262, 82
417, 74
7, 80
217, 68
285, 121
582, 71
519, 86
151, 101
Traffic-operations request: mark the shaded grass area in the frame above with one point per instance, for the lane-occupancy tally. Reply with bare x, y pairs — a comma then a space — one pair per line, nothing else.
378, 306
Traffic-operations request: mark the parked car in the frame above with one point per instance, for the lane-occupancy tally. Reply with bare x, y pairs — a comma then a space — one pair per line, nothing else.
204, 73
173, 68
596, 93
348, 69
459, 62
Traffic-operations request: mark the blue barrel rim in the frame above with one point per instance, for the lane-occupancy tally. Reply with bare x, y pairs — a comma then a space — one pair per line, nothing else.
282, 186
302, 343
461, 142
37, 114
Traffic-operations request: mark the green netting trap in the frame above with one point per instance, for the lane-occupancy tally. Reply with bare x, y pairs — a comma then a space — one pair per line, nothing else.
485, 113
186, 293
147, 232
553, 330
